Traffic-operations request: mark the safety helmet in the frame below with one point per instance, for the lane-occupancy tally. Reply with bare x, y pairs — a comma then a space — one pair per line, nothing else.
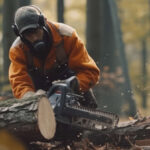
27, 17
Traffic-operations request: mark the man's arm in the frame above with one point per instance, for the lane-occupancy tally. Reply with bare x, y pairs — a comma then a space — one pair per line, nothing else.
19, 79
80, 61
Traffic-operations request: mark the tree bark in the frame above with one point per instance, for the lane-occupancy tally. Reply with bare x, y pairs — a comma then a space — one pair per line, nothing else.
28, 119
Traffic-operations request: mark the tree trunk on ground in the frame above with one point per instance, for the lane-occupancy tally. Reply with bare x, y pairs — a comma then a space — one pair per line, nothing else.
124, 133
132, 135
29, 119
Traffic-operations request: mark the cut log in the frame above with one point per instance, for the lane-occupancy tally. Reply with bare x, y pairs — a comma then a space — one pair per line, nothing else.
46, 119
29, 119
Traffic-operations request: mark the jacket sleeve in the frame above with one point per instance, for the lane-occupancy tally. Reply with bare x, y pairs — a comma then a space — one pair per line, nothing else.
18, 75
79, 60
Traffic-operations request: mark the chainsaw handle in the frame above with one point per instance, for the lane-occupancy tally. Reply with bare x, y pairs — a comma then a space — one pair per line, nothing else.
73, 84
54, 87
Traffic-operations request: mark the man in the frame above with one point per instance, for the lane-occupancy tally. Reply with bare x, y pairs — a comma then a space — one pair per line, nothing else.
45, 51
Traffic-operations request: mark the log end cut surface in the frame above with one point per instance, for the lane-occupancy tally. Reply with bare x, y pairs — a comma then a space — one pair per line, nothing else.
46, 119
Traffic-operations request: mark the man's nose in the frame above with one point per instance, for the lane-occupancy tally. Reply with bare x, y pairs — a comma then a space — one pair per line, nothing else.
34, 37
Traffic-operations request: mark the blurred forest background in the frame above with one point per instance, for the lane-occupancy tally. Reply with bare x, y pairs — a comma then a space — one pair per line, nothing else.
116, 34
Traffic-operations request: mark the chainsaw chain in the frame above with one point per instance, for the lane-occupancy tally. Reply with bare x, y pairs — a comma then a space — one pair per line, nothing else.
89, 128
102, 125
106, 114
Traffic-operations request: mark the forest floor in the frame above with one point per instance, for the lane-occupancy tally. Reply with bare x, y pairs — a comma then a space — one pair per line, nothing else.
84, 144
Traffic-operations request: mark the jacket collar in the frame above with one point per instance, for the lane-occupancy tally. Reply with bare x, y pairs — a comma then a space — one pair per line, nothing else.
57, 38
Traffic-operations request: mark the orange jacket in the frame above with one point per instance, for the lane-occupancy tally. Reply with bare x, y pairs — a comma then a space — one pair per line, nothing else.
78, 60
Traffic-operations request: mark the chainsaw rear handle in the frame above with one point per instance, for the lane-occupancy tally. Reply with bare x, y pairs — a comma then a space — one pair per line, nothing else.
73, 84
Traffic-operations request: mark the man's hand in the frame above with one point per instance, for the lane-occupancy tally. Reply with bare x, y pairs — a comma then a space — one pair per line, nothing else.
31, 93
28, 94
40, 92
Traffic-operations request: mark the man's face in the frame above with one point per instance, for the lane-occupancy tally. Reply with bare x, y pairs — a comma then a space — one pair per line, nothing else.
33, 35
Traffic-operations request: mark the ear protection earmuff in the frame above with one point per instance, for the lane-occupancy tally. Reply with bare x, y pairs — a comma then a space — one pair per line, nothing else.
41, 17
15, 29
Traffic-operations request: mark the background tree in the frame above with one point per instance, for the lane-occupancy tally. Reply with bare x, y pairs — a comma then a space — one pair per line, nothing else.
93, 29
106, 46
127, 91
60, 10
144, 72
8, 34
24, 2
136, 28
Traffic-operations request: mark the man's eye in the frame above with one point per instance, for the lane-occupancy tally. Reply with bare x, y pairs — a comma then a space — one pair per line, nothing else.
27, 34
36, 32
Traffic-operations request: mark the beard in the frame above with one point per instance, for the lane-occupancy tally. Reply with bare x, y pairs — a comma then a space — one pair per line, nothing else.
41, 48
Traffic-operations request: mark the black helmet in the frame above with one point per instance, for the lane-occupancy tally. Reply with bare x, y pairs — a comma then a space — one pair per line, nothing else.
27, 17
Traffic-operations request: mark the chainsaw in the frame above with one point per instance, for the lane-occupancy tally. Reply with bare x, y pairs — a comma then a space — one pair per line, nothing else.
68, 109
